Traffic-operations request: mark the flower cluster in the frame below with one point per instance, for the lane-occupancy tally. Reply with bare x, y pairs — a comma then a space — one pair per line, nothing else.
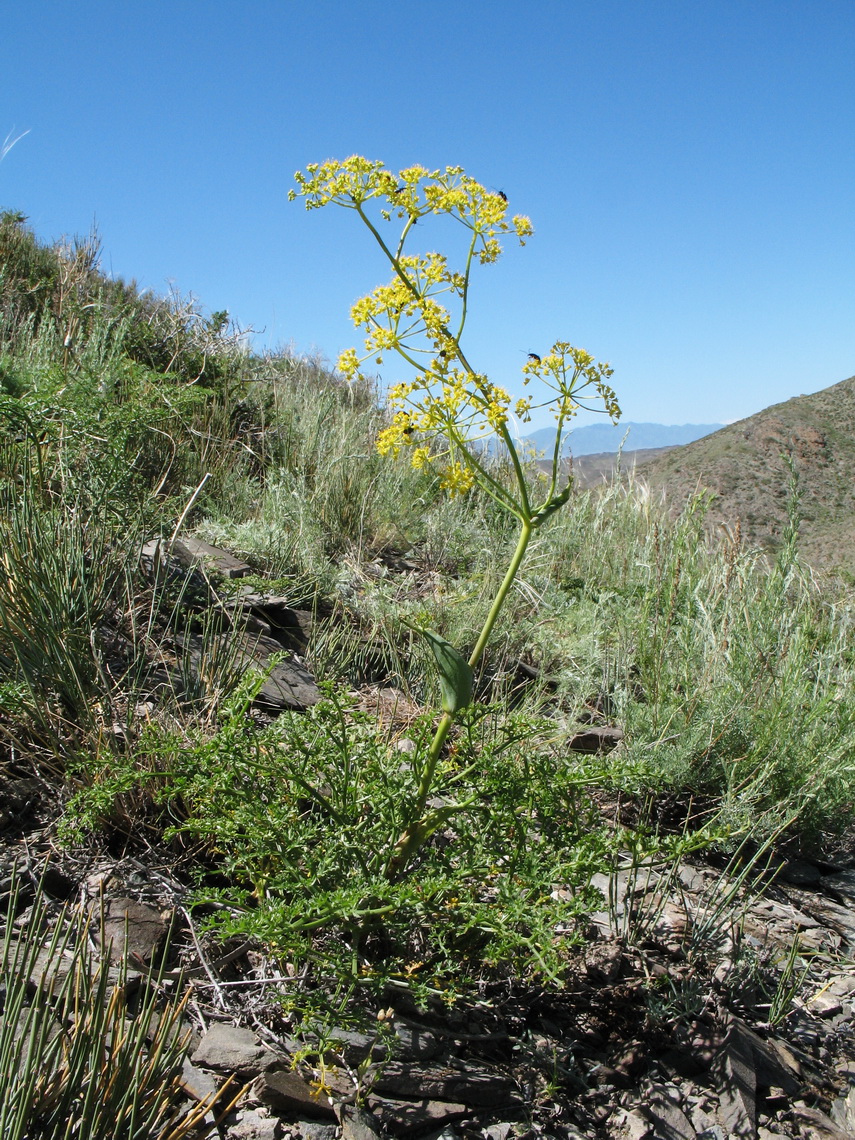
576, 378
413, 193
441, 421
420, 314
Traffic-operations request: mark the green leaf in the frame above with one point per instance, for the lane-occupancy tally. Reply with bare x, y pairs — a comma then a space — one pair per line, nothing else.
455, 673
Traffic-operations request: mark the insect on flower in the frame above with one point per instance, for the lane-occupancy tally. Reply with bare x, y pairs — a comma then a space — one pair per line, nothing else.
533, 356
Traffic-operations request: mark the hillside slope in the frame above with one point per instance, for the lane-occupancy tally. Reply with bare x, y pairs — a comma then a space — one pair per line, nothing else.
746, 466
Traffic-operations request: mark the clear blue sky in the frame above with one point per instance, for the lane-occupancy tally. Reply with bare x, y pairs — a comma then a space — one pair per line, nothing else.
689, 166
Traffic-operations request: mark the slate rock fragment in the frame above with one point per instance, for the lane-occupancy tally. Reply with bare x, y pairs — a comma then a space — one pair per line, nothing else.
232, 1049
135, 930
287, 1092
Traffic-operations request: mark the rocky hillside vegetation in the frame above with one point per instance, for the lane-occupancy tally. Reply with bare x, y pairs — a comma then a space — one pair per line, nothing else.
630, 912
804, 446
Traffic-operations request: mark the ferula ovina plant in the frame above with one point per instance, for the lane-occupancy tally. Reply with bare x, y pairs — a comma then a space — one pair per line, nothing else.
443, 413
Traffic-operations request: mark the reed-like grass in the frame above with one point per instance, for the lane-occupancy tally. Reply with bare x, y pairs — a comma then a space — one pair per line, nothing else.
85, 1048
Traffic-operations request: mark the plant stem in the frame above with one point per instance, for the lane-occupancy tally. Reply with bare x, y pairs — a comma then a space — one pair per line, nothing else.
413, 838
499, 600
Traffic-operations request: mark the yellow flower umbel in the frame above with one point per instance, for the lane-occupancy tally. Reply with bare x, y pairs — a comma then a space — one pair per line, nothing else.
442, 414
421, 312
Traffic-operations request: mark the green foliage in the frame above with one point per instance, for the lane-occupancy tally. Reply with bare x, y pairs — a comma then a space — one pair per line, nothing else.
455, 673
303, 817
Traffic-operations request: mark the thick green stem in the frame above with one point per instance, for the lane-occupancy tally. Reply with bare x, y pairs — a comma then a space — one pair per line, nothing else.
499, 600
416, 834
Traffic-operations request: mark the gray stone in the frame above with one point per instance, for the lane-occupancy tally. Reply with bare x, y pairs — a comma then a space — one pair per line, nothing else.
843, 1111
356, 1046
800, 873
252, 1125
469, 1085
412, 1117
615, 889
815, 1125
841, 886
314, 1131
824, 1005
774, 1063
737, 1084
499, 1131
596, 738
842, 986
135, 930
415, 1043
357, 1124
193, 552
691, 878
293, 627
231, 1049
668, 1119
671, 924
634, 1125
288, 685
196, 1083
287, 1092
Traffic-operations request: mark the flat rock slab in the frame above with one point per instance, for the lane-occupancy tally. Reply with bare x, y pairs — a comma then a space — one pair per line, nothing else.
415, 1042
414, 1117
840, 919
231, 1049
471, 1086
737, 1085
357, 1124
314, 1130
287, 1092
134, 929
296, 624
196, 1083
288, 685
841, 886
774, 1064
193, 552
596, 739
800, 873
251, 1125
668, 1119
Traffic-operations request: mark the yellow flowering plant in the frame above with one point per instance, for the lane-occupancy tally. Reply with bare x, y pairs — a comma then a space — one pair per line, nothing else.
442, 416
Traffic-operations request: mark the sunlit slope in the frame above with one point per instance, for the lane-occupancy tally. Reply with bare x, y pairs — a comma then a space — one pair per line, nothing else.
746, 465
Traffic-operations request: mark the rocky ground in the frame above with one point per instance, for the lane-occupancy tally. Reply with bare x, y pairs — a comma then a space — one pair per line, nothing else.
661, 1029
711, 1001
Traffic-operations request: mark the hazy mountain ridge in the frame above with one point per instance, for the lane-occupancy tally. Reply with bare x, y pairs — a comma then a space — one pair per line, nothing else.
594, 439
746, 466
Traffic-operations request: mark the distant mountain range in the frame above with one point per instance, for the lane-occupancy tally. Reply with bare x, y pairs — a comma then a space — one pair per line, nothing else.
597, 438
